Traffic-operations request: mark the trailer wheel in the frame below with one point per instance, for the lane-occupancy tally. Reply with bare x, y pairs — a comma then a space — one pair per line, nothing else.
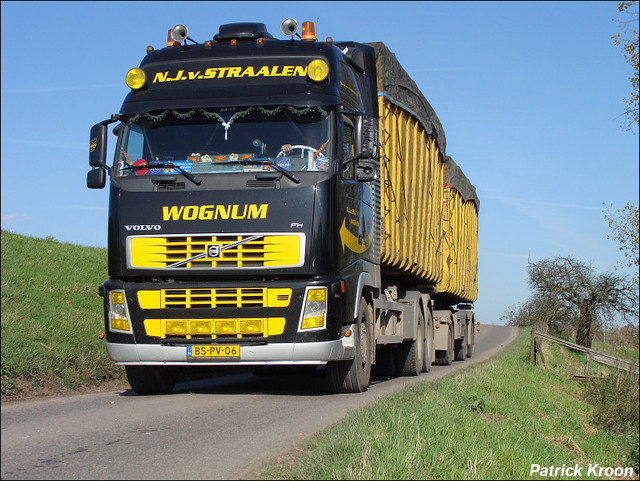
445, 358
151, 379
354, 374
410, 354
428, 342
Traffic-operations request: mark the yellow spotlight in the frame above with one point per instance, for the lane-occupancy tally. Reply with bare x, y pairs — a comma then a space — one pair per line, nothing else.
252, 326
200, 327
225, 327
136, 78
176, 328
318, 70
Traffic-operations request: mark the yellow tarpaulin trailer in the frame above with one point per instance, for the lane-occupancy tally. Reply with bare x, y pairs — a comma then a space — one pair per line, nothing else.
429, 209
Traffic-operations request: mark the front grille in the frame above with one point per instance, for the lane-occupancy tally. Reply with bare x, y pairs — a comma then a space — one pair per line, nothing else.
216, 251
214, 298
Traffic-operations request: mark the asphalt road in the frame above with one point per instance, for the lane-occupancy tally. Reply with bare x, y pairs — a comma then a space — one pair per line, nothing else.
219, 428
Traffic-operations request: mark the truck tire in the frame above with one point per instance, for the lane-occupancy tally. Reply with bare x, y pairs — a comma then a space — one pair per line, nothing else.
445, 357
428, 342
151, 379
410, 354
354, 374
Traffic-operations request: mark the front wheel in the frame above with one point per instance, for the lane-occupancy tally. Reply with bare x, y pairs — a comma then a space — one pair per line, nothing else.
151, 379
354, 374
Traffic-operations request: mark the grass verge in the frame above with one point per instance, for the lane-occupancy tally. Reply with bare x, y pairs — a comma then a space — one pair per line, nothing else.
51, 317
490, 421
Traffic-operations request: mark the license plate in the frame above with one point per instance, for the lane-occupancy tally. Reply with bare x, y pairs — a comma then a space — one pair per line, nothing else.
204, 352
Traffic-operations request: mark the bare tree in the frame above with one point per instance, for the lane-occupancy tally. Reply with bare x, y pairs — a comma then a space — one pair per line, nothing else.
576, 287
543, 312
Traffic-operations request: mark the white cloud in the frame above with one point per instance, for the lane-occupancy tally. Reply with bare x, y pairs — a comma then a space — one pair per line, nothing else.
15, 218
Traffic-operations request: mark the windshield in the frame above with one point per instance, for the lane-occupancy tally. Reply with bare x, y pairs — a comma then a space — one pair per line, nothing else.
216, 140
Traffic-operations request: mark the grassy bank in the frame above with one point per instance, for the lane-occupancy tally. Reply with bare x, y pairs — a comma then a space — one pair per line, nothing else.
51, 317
491, 421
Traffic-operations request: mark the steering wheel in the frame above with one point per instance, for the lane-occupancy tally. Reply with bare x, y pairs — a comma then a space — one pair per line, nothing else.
301, 147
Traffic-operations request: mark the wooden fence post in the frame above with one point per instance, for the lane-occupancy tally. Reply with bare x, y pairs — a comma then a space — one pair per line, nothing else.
532, 357
586, 364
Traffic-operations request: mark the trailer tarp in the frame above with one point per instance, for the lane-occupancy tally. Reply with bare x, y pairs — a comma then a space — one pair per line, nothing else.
395, 84
454, 177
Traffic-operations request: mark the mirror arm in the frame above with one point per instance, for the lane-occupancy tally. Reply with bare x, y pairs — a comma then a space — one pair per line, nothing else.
344, 163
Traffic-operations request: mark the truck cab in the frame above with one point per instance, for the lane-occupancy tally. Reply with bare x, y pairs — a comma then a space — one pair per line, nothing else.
242, 204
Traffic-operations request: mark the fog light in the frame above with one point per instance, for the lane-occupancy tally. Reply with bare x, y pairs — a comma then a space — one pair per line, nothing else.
176, 328
119, 324
136, 78
200, 327
312, 322
253, 326
318, 70
225, 327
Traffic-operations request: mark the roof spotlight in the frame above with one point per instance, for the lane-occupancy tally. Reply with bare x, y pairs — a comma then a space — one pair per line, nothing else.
289, 27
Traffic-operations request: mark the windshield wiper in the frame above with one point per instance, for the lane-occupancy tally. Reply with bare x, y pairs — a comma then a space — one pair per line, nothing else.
165, 165
289, 175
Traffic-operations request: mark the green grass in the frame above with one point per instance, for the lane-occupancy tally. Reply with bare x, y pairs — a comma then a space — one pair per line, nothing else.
51, 317
491, 421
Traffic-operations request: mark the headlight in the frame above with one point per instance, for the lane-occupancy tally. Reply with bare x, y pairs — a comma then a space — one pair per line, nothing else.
118, 312
315, 309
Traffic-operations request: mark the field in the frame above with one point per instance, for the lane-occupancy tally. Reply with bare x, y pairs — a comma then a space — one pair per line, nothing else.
51, 318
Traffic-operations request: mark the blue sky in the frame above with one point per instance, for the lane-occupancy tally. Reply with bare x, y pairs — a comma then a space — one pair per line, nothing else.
529, 95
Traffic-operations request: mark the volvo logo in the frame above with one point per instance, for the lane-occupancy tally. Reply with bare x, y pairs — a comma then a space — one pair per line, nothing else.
213, 250
139, 227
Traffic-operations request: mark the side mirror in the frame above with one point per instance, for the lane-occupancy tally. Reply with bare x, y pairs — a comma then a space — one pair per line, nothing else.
369, 143
98, 145
366, 147
365, 171
96, 178
98, 142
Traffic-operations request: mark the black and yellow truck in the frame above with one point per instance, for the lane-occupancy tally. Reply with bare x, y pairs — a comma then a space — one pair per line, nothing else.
282, 202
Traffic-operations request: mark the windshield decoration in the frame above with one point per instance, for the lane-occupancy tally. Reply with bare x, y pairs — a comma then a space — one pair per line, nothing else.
199, 140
